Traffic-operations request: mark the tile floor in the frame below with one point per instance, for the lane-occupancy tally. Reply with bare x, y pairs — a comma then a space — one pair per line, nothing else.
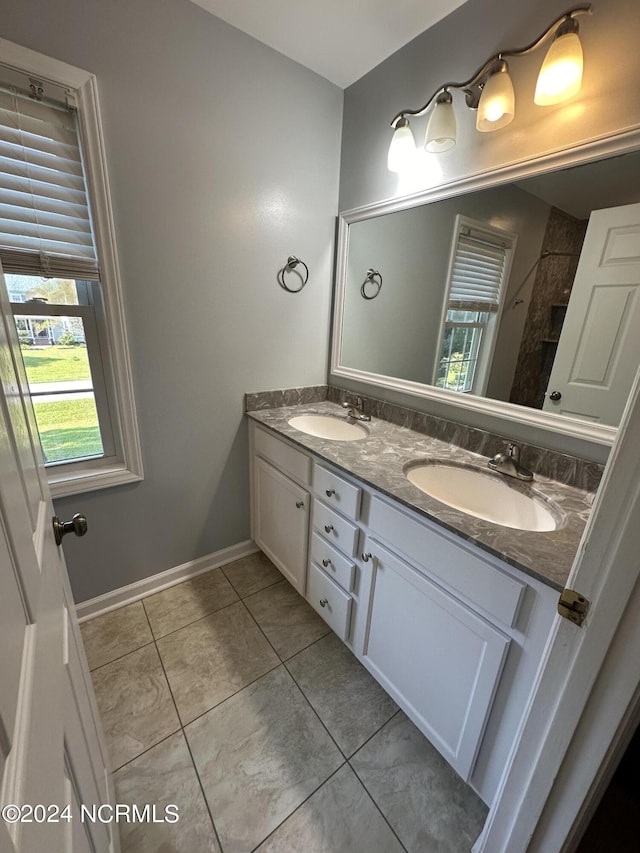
229, 696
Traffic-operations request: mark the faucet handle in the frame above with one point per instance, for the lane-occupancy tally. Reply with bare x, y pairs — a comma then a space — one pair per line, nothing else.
513, 450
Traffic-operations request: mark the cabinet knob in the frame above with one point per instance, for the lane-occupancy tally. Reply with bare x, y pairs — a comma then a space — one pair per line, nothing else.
328, 528
326, 562
330, 492
324, 602
555, 396
367, 557
299, 504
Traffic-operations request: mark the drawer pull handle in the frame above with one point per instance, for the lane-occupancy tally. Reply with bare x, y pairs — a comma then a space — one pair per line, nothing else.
330, 492
326, 562
328, 528
324, 602
367, 557
299, 504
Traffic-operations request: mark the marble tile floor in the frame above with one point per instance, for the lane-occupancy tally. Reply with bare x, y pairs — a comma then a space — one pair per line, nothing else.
228, 696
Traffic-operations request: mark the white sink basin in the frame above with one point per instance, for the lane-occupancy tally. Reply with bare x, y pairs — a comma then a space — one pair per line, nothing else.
482, 495
328, 426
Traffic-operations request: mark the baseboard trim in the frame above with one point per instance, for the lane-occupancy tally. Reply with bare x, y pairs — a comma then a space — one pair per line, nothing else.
163, 580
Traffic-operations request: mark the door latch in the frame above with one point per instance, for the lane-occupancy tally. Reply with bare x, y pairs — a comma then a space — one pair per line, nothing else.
573, 606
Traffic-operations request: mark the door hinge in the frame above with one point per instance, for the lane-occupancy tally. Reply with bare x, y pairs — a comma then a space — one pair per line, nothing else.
573, 606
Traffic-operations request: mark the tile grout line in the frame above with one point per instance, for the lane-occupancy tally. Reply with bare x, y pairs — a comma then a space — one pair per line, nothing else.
193, 621
299, 806
379, 729
255, 591
304, 648
182, 726
184, 735
281, 662
144, 751
379, 810
372, 798
282, 580
259, 627
120, 657
206, 615
222, 701
308, 701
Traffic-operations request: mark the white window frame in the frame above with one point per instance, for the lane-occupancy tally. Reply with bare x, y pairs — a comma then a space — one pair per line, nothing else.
490, 331
126, 465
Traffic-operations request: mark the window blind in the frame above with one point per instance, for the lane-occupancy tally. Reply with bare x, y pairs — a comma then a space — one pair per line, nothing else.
478, 272
45, 223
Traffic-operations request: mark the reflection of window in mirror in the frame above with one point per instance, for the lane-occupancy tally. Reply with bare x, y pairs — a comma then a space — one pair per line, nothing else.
477, 281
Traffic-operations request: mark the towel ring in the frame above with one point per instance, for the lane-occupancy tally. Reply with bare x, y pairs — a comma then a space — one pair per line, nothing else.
290, 266
374, 278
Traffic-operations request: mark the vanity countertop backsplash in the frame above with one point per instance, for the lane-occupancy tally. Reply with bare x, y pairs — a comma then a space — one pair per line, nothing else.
380, 460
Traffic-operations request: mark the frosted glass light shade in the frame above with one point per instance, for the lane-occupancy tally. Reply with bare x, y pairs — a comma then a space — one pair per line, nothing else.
497, 102
560, 77
402, 150
441, 130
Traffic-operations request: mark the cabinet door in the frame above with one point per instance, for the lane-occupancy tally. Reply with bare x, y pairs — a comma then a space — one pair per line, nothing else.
282, 522
440, 661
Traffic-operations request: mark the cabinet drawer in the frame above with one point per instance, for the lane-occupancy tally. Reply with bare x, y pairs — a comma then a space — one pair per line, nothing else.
286, 458
482, 583
336, 492
340, 532
335, 564
331, 602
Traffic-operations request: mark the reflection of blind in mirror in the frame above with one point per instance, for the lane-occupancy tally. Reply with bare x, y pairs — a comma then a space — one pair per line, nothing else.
479, 265
478, 272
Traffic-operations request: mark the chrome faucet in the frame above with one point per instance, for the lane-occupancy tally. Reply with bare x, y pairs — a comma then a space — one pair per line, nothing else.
355, 411
508, 462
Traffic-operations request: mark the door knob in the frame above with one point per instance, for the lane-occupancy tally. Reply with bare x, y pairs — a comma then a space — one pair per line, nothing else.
555, 396
77, 525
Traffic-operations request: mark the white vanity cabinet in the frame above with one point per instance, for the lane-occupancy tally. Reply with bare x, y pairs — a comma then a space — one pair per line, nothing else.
280, 506
453, 634
437, 658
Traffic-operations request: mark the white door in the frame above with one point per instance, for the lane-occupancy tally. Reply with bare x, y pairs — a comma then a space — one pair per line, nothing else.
599, 349
574, 714
51, 747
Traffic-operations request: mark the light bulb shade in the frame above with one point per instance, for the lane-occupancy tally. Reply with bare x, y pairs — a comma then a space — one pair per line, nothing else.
441, 129
560, 77
402, 150
497, 102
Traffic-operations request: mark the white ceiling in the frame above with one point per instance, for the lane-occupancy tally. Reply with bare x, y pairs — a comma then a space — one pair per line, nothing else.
339, 39
592, 186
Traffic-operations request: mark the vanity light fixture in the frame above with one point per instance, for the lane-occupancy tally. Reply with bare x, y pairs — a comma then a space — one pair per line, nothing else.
490, 92
441, 130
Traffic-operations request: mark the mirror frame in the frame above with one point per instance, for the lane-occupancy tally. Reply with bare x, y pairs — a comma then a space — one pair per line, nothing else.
599, 148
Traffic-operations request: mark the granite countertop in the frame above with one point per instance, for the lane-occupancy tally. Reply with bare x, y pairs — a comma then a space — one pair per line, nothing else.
379, 461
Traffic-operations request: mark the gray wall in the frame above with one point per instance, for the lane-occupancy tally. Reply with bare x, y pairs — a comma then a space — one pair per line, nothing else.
452, 49
223, 158
396, 334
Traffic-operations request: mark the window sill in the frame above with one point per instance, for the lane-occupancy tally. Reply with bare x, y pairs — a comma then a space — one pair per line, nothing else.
63, 483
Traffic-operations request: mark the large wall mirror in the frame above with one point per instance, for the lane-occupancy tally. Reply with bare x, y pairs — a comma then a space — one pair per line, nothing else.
520, 298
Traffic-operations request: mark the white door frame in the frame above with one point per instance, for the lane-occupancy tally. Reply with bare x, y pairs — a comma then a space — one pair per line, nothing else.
580, 678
